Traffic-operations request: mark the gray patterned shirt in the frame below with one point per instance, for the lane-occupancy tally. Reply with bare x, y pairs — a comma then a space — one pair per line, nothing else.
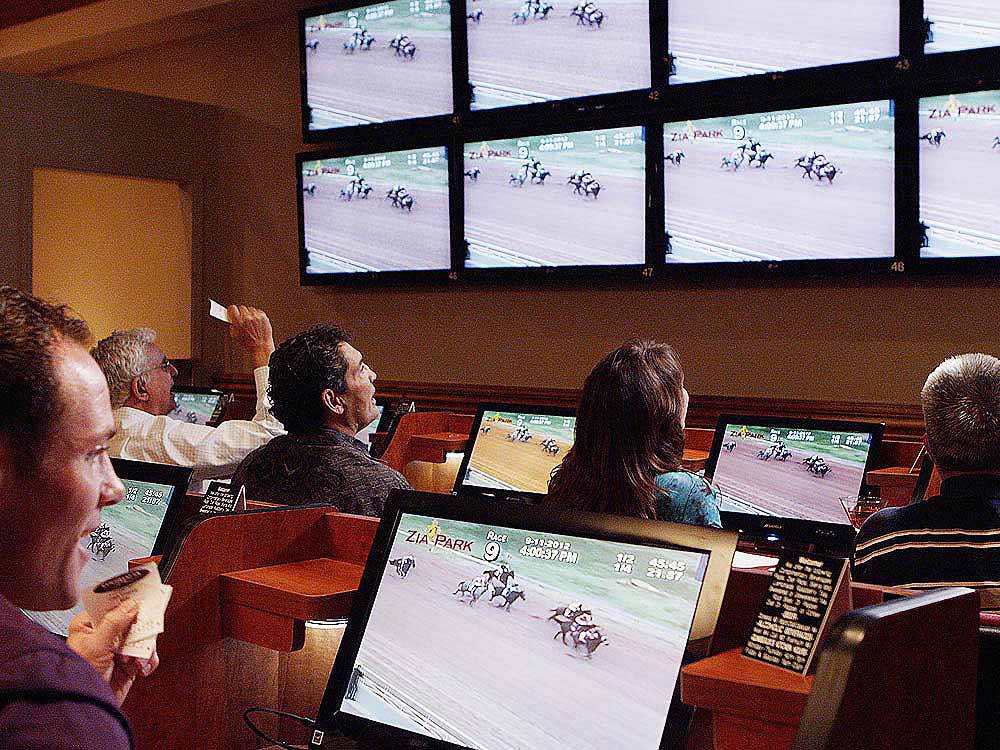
324, 467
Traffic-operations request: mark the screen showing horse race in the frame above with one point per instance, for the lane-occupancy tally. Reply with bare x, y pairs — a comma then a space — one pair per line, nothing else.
530, 51
128, 531
790, 472
960, 24
516, 451
959, 137
196, 408
568, 640
801, 184
377, 212
375, 63
712, 39
570, 199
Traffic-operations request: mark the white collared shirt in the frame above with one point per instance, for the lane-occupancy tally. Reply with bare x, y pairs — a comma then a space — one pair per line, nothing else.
213, 452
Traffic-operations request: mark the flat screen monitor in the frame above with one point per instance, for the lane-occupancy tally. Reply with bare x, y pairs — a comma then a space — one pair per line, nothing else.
785, 477
377, 212
537, 51
375, 63
492, 626
567, 199
960, 24
198, 405
514, 449
712, 39
136, 527
815, 183
960, 137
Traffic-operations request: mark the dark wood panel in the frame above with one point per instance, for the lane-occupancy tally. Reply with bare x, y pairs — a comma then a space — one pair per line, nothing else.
902, 421
14, 12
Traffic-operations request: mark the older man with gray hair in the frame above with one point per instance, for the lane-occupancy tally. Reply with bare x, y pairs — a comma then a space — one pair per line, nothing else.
950, 539
140, 380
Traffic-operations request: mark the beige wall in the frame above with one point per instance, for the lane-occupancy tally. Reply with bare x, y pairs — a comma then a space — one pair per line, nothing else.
829, 338
119, 248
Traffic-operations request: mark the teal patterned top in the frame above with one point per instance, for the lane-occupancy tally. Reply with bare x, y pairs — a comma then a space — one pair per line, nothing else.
687, 498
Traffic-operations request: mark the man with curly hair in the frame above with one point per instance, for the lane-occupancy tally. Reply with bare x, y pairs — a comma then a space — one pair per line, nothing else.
324, 394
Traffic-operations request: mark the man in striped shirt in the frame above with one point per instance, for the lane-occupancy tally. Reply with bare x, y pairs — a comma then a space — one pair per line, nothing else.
952, 539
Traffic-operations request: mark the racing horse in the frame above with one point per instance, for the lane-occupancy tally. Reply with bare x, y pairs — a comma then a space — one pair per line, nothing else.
101, 543
474, 588
309, 189
509, 596
934, 137
674, 157
761, 158
729, 447
312, 45
542, 11
403, 565
540, 175
516, 180
475, 16
570, 618
996, 142
590, 638
592, 189
473, 174
521, 16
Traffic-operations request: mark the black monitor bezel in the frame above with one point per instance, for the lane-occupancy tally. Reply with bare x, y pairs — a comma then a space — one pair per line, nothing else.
778, 531
490, 492
220, 406
362, 148
390, 128
178, 477
720, 545
567, 125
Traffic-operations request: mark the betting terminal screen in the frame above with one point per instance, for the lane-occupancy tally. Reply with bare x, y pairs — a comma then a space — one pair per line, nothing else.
790, 472
499, 638
128, 530
517, 451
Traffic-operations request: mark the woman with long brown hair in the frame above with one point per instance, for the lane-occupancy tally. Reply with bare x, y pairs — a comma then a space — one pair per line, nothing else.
626, 459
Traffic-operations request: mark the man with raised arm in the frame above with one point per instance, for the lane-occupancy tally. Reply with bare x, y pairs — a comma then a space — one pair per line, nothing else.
55, 476
141, 378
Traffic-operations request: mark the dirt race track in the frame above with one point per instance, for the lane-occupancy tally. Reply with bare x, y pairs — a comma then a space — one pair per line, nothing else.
524, 466
549, 224
377, 85
556, 58
774, 213
715, 38
950, 31
959, 182
372, 235
785, 488
499, 677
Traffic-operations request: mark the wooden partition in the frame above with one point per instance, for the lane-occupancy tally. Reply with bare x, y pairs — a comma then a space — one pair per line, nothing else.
244, 585
747, 705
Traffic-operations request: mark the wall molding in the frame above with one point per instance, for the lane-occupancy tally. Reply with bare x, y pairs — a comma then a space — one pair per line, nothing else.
902, 421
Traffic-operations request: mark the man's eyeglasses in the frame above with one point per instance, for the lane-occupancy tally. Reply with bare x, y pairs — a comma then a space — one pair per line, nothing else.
165, 365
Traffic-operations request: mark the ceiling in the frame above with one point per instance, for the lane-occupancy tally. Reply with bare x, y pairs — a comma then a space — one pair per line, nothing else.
18, 11
39, 37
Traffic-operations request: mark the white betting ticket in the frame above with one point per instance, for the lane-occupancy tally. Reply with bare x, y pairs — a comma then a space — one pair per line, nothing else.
217, 311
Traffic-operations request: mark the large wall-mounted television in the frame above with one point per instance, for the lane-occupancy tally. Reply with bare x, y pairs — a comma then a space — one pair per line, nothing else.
959, 142
374, 63
798, 184
374, 213
710, 39
561, 199
960, 24
537, 51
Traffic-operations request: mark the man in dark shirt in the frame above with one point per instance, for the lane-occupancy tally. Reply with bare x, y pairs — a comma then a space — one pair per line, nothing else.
951, 539
55, 476
324, 394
